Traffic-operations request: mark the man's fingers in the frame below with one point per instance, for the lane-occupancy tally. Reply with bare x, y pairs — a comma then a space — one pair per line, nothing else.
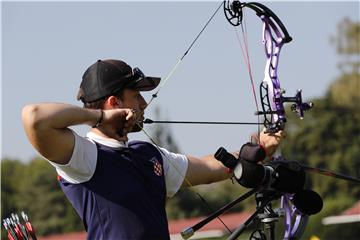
121, 121
131, 113
279, 134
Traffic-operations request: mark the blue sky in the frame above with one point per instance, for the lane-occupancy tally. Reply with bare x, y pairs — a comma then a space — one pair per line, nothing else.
46, 47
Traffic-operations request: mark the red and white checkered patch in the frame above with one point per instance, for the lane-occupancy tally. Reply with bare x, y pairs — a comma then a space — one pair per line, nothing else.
157, 168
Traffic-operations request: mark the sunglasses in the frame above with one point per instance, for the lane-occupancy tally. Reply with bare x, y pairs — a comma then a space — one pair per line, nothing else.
138, 74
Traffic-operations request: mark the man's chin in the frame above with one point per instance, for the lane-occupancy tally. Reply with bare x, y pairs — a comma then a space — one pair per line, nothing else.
137, 127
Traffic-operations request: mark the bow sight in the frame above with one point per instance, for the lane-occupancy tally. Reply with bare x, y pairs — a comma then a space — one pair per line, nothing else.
268, 112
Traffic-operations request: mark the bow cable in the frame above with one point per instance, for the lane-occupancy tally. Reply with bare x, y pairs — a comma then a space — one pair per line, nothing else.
245, 53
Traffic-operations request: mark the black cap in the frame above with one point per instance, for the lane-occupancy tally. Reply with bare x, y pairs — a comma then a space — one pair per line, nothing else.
106, 77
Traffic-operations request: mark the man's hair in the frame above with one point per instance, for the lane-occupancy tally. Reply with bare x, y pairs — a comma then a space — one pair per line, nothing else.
99, 104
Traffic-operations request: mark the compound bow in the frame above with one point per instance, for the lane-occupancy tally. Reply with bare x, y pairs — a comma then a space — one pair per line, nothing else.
272, 100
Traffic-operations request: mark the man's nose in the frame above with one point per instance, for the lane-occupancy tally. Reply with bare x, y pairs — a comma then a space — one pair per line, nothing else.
143, 103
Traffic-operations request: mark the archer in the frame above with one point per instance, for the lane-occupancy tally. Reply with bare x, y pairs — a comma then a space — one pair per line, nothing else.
118, 188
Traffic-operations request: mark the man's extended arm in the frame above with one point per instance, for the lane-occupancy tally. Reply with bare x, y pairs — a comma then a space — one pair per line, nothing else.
207, 169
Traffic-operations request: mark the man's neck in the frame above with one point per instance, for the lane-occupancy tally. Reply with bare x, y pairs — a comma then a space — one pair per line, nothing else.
100, 133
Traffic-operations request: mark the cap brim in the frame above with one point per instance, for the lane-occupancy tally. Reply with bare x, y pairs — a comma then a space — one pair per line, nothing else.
146, 84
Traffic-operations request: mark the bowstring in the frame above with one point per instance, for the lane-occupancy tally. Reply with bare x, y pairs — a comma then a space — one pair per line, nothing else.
173, 69
246, 56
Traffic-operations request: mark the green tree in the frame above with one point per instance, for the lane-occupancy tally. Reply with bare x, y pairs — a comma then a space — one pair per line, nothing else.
33, 188
40, 188
330, 137
10, 178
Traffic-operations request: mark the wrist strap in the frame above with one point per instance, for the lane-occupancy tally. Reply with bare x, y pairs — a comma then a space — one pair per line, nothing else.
97, 124
252, 152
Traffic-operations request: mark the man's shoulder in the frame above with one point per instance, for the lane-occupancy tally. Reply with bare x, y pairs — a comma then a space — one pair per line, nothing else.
144, 147
139, 143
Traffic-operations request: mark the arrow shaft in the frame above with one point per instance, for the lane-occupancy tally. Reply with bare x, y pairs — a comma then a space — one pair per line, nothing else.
149, 121
330, 173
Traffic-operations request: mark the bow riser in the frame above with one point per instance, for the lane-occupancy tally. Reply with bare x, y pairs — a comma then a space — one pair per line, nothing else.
273, 45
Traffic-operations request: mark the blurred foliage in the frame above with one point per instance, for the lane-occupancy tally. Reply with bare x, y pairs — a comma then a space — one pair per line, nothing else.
347, 43
33, 188
329, 138
11, 175
347, 39
345, 92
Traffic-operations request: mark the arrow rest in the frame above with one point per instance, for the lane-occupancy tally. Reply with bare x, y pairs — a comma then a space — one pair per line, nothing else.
271, 125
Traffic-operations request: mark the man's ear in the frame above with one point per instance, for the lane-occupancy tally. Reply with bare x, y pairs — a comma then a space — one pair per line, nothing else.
112, 102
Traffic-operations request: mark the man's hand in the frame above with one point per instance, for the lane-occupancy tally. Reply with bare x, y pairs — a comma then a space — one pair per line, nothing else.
116, 123
270, 141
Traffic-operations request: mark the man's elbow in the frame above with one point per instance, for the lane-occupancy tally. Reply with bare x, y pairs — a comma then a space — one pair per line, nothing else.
31, 117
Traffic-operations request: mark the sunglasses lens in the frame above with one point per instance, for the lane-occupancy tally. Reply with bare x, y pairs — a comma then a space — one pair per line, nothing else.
138, 73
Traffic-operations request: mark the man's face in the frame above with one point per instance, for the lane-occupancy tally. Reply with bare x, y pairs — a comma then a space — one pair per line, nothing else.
133, 99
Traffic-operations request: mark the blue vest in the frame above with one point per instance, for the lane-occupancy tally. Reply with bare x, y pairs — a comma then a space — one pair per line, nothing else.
125, 198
